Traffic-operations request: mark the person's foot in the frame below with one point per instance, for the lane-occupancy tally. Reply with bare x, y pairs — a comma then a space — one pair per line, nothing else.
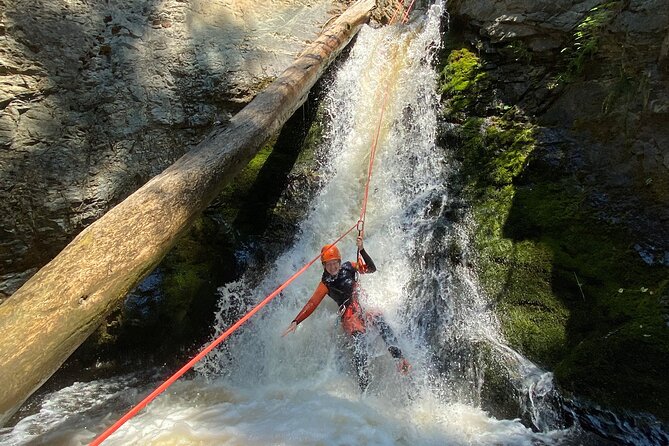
395, 352
403, 366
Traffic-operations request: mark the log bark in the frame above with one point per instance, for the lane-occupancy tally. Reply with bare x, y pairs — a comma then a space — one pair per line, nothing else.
61, 305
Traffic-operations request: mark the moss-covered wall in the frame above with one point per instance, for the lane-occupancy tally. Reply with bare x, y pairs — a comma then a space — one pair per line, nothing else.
570, 289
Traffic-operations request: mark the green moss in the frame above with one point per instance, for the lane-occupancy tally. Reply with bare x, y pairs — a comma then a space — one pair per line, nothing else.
461, 78
461, 71
498, 393
553, 269
188, 281
251, 204
494, 151
510, 142
236, 195
518, 275
314, 137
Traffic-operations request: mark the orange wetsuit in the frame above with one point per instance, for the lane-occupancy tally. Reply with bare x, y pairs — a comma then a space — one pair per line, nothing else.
342, 288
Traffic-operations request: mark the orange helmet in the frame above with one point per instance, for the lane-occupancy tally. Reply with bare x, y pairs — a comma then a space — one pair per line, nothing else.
330, 252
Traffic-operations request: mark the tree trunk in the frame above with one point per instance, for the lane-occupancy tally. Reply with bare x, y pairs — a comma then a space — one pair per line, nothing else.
61, 305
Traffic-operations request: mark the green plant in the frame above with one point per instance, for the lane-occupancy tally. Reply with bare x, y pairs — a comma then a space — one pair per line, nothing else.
586, 39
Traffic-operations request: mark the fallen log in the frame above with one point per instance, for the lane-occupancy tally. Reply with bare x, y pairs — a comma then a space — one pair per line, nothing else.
61, 305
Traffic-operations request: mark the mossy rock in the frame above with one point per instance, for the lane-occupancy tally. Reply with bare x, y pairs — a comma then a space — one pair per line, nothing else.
571, 292
463, 81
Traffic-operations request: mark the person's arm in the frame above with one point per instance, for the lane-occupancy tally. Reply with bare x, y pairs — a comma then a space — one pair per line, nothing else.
309, 307
367, 267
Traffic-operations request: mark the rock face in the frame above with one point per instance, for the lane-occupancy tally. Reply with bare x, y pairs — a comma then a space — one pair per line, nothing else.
98, 97
557, 113
596, 75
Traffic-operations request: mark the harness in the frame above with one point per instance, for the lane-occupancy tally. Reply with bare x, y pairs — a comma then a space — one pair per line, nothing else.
342, 288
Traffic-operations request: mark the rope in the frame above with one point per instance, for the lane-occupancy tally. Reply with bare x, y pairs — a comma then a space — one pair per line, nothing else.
400, 7
361, 222
372, 156
408, 10
403, 12
161, 388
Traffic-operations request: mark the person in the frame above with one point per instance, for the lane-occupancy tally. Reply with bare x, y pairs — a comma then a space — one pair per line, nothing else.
339, 281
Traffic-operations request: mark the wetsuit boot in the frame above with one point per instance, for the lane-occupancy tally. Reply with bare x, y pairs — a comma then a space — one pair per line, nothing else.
387, 335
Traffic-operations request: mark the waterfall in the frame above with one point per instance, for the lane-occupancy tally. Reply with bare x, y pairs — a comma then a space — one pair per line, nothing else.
431, 302
260, 388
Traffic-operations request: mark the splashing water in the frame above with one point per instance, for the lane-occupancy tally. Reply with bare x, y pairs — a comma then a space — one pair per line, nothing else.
261, 388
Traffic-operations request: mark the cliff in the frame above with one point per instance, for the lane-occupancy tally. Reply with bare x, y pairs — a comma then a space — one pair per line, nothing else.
558, 112
96, 98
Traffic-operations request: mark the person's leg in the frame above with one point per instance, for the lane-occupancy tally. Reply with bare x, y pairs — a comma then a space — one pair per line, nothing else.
386, 333
390, 339
360, 359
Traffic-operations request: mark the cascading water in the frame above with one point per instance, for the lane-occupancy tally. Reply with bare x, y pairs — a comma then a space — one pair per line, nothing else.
260, 388
307, 377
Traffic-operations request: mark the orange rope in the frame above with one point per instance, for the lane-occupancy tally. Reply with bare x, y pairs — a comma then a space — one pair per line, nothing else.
132, 412
363, 211
372, 155
406, 13
400, 6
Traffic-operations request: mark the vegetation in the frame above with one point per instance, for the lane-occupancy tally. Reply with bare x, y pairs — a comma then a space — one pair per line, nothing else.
571, 292
587, 38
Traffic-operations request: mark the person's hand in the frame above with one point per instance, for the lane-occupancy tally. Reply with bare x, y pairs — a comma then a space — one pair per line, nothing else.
403, 366
291, 328
359, 243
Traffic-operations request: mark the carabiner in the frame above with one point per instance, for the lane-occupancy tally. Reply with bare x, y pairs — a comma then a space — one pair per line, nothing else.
360, 226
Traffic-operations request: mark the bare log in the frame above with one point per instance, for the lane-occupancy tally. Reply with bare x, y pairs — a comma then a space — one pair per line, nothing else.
61, 305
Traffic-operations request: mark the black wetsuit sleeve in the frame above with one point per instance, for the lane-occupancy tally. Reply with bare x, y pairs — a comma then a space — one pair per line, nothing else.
368, 261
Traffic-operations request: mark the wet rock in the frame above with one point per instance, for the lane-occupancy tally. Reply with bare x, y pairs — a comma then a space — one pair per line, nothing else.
9, 283
592, 76
615, 105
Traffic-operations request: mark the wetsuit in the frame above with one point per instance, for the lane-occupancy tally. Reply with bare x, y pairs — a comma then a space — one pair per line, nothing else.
343, 289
